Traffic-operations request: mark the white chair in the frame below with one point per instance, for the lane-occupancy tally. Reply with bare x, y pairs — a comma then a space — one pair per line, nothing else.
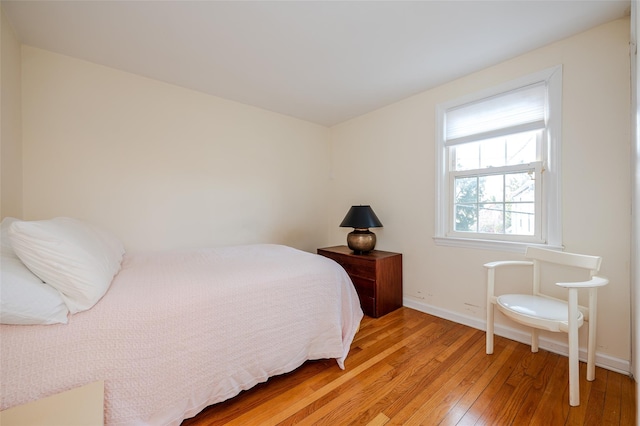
544, 312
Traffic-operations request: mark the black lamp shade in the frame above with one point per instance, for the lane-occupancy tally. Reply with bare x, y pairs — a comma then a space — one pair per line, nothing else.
361, 217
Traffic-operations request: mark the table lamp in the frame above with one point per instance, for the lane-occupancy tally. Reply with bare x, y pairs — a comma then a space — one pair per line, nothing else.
361, 218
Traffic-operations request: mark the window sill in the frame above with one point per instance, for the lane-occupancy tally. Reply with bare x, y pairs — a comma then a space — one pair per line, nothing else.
508, 246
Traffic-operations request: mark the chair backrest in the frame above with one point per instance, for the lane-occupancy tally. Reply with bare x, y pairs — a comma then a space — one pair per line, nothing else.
592, 263
584, 261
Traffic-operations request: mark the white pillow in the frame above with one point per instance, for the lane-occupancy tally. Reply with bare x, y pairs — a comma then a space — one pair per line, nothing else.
25, 299
77, 259
5, 244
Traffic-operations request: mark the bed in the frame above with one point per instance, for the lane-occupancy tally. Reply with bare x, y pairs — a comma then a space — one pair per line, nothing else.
177, 331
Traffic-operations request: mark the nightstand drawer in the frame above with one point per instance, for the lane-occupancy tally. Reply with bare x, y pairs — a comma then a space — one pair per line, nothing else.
358, 267
364, 286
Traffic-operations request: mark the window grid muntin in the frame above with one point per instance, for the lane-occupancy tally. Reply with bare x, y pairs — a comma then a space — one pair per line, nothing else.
534, 169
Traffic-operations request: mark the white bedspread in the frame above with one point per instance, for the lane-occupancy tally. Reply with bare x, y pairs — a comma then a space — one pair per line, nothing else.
179, 331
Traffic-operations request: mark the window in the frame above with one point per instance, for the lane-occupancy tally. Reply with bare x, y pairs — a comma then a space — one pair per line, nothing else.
498, 166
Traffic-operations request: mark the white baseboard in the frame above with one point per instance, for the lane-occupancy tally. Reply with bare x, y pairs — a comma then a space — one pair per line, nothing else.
609, 362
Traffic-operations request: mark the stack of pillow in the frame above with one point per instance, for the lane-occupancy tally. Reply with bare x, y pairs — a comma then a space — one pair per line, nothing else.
50, 268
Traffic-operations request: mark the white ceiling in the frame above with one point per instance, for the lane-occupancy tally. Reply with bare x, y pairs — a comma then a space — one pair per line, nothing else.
321, 61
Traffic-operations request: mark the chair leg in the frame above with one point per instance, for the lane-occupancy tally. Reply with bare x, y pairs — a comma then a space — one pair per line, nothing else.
574, 383
490, 316
591, 345
534, 339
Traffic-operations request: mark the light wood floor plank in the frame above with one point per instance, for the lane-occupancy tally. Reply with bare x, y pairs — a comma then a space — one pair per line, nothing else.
612, 401
451, 362
449, 390
381, 395
407, 393
548, 409
491, 401
379, 420
541, 380
500, 356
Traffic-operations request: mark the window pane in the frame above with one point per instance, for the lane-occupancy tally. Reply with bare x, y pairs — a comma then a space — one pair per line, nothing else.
491, 188
492, 152
520, 218
510, 150
522, 148
520, 187
466, 157
495, 204
491, 218
466, 190
466, 218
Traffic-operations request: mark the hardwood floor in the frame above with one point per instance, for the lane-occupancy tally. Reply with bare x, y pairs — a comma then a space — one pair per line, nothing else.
412, 368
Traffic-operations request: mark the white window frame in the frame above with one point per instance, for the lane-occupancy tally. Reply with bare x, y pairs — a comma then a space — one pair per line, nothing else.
550, 212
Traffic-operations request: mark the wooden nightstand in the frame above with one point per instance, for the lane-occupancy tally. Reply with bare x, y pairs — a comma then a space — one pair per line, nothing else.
377, 277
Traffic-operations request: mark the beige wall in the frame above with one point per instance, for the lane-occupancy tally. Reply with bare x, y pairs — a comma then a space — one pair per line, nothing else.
10, 125
165, 167
387, 159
